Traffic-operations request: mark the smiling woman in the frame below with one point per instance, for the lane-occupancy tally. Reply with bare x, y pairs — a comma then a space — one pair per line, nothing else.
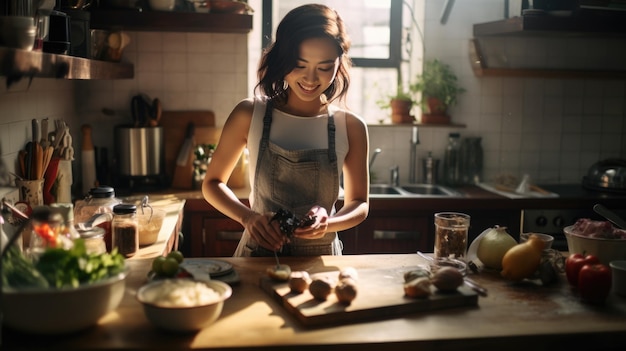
378, 46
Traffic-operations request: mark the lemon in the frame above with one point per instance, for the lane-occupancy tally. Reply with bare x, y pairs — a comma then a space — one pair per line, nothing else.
493, 246
522, 260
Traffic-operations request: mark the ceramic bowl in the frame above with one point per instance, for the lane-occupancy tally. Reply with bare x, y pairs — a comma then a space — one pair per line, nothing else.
606, 250
618, 269
59, 311
547, 239
189, 317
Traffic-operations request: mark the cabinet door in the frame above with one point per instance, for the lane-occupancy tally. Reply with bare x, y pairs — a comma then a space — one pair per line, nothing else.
221, 236
393, 235
348, 240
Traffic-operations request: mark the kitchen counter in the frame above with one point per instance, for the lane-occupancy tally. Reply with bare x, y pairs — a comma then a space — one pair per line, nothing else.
511, 317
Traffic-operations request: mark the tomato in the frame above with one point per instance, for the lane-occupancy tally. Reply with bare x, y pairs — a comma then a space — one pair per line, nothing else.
594, 283
574, 263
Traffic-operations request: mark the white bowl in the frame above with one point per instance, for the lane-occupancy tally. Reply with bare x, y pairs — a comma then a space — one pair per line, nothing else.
59, 311
618, 269
182, 319
162, 5
547, 239
606, 250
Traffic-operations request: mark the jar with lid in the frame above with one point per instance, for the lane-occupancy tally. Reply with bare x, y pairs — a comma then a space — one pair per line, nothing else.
125, 228
451, 160
94, 240
99, 200
46, 227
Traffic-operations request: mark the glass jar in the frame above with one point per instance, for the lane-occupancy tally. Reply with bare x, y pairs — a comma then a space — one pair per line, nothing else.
451, 161
451, 235
46, 225
125, 229
67, 211
99, 200
94, 240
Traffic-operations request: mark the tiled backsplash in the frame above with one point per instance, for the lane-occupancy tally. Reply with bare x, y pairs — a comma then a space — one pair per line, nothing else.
553, 129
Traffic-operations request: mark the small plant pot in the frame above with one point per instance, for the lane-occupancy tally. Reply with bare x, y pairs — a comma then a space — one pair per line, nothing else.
401, 111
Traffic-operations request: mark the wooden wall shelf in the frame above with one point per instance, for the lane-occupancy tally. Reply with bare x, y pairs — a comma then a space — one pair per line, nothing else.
155, 21
15, 63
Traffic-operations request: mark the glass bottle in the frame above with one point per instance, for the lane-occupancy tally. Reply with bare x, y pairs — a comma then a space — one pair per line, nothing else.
99, 200
67, 211
471, 160
451, 162
125, 228
46, 224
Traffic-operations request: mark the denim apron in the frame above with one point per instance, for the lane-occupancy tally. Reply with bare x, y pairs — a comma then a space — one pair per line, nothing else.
294, 180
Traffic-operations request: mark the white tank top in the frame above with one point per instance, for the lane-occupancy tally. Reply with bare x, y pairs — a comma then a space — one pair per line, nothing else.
296, 133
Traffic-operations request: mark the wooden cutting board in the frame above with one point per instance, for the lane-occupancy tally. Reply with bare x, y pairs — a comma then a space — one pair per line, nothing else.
174, 125
380, 295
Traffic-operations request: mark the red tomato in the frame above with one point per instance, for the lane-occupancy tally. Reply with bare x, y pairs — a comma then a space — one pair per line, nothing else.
574, 263
594, 282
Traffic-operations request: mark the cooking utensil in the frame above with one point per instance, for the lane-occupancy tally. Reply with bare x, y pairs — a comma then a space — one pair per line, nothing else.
155, 113
88, 159
185, 150
610, 215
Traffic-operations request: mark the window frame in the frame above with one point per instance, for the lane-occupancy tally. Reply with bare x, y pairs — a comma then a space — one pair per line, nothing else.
394, 59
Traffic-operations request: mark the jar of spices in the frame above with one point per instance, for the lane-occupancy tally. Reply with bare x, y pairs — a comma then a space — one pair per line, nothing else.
94, 240
125, 229
99, 200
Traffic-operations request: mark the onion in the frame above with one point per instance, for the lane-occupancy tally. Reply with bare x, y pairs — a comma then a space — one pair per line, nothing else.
493, 245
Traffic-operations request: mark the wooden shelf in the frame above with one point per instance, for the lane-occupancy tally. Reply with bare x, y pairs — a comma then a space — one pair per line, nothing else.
588, 23
17, 63
153, 21
481, 70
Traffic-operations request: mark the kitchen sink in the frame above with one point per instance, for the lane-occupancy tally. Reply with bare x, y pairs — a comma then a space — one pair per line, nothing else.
411, 190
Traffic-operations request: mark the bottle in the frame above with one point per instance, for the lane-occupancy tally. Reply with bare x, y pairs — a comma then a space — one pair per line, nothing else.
451, 166
67, 211
125, 229
46, 223
471, 160
100, 200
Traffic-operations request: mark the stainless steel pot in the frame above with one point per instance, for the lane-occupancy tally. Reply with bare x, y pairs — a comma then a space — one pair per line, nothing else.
139, 151
607, 175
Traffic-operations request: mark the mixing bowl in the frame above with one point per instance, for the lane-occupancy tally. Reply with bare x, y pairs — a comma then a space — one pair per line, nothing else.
186, 317
64, 310
606, 250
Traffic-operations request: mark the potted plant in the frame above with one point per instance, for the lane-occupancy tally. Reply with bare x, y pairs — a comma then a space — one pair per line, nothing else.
400, 104
439, 87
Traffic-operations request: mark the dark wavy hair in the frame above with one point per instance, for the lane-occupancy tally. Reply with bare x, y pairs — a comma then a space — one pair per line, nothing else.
281, 57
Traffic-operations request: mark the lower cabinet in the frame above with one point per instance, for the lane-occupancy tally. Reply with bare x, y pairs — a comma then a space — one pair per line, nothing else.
388, 235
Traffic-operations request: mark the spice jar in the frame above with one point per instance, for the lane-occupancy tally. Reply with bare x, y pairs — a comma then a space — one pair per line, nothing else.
94, 240
125, 229
451, 229
46, 225
99, 200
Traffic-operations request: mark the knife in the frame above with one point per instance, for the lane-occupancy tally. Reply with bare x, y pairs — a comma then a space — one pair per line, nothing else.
185, 150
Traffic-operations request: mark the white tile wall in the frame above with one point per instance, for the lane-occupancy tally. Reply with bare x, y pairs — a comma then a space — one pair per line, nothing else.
550, 128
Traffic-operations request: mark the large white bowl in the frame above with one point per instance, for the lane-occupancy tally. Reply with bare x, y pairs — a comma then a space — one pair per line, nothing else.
183, 319
59, 311
606, 250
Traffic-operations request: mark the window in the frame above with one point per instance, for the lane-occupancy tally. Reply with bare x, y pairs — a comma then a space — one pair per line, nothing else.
380, 52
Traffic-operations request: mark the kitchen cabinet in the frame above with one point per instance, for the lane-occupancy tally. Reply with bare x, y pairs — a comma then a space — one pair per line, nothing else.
158, 21
18, 63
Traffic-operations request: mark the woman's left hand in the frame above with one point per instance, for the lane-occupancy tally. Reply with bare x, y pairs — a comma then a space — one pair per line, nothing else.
318, 228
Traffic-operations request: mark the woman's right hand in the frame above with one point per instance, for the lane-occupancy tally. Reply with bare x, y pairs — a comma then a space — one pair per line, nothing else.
265, 231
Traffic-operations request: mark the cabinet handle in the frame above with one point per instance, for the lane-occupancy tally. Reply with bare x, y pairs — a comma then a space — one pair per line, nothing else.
229, 235
395, 234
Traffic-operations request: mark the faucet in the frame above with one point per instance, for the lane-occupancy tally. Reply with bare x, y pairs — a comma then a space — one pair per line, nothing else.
376, 152
415, 140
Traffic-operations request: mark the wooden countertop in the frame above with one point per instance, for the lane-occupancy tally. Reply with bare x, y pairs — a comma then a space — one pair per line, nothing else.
512, 317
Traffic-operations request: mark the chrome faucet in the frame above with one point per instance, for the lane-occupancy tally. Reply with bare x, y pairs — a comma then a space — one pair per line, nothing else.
415, 140
376, 152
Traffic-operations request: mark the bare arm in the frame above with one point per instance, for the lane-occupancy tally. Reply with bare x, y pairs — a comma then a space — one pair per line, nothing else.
232, 143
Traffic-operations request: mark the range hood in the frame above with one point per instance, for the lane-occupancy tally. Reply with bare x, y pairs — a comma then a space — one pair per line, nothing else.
581, 44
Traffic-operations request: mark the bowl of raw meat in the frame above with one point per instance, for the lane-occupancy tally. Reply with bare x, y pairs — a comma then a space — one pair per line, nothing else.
598, 238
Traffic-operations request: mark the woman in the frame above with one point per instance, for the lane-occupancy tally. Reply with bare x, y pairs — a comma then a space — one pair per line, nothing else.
298, 143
